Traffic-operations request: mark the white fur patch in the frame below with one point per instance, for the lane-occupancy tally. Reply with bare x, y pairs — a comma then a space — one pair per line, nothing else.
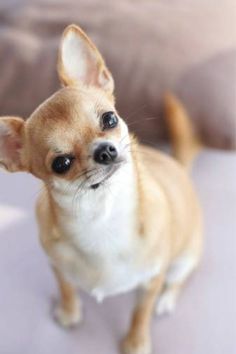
101, 246
181, 268
66, 319
166, 302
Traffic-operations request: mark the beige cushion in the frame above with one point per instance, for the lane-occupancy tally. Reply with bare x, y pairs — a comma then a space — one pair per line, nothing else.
187, 46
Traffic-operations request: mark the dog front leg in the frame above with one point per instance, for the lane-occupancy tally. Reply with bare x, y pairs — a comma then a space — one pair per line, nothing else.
68, 311
138, 339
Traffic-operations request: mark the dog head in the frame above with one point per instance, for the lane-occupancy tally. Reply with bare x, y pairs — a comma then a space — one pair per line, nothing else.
75, 135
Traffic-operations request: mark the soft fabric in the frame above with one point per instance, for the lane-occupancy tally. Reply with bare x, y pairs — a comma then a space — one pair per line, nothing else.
186, 46
205, 318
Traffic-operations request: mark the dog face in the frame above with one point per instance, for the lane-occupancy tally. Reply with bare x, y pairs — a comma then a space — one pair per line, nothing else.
75, 135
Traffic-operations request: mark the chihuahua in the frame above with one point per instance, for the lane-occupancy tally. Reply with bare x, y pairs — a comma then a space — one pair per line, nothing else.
113, 215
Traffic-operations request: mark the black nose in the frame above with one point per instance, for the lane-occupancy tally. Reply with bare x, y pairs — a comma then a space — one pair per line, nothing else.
105, 153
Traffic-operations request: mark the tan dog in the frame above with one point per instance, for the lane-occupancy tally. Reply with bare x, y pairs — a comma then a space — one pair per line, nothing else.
113, 215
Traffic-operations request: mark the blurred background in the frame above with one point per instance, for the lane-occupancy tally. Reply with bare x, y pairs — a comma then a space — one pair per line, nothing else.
184, 46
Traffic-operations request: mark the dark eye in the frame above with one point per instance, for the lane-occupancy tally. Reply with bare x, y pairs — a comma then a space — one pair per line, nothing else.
109, 120
62, 164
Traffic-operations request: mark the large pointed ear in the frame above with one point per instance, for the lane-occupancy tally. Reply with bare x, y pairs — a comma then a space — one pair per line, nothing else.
80, 61
11, 143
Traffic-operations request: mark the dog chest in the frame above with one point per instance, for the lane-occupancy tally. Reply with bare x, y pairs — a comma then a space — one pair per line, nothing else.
101, 251
105, 274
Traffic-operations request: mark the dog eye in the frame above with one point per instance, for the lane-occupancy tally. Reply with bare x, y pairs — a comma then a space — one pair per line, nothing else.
62, 164
109, 120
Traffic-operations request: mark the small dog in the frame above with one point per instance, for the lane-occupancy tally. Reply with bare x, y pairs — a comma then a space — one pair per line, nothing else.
113, 215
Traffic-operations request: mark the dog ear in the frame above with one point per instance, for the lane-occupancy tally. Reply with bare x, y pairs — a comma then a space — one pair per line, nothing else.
80, 61
11, 143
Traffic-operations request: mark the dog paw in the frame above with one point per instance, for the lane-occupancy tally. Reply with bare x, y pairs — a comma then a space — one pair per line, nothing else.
136, 346
67, 319
166, 303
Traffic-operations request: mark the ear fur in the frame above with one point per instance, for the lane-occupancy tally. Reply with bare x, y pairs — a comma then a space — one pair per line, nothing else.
11, 143
80, 61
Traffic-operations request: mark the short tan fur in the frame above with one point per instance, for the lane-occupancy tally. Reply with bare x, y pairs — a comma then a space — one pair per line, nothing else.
107, 228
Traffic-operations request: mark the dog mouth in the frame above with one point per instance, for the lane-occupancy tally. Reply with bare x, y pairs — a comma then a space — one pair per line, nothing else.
112, 170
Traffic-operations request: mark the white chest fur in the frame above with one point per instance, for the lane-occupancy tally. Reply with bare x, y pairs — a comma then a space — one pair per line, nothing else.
101, 246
